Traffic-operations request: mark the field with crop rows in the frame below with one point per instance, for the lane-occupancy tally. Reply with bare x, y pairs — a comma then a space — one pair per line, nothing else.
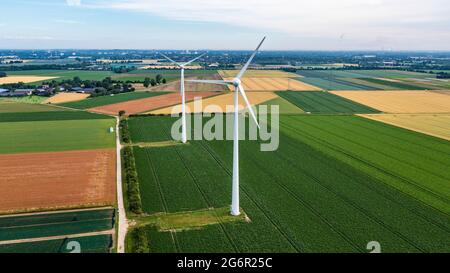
367, 188
324, 103
50, 116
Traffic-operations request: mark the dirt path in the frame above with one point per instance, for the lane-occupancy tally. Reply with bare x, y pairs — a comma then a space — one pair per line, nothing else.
123, 223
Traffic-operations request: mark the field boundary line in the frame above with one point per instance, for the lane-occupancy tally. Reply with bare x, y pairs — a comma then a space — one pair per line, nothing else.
40, 239
54, 212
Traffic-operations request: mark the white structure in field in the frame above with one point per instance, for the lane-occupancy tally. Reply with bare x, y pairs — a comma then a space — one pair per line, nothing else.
182, 66
238, 89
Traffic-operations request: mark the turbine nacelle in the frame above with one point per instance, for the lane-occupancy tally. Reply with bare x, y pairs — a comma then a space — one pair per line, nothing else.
236, 82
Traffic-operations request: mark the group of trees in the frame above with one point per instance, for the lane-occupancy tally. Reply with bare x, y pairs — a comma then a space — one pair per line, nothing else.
123, 69
2, 74
154, 81
443, 75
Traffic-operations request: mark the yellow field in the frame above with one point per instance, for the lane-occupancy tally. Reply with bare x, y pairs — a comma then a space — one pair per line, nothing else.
400, 101
24, 79
219, 103
437, 125
66, 97
259, 74
274, 84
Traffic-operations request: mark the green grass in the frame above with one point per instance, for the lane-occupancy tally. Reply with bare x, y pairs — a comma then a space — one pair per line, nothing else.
316, 193
285, 107
64, 74
334, 84
324, 103
7, 106
44, 225
52, 136
29, 99
106, 100
90, 244
49, 116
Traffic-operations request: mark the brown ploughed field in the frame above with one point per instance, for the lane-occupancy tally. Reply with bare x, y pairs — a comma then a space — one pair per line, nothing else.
54, 180
147, 104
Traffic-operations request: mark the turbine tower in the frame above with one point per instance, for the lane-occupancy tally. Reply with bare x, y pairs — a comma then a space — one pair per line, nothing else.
238, 89
183, 98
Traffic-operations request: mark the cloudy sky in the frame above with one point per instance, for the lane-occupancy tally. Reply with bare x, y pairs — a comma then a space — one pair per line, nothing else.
226, 24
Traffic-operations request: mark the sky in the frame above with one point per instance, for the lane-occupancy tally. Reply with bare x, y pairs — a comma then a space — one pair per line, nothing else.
226, 24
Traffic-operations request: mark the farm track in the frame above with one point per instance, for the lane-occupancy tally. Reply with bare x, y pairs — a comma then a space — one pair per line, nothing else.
354, 157
39, 239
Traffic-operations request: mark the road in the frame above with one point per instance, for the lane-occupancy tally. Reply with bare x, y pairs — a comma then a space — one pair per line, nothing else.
123, 222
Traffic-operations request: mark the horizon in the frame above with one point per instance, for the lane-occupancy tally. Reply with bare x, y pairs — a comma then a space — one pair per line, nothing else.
325, 25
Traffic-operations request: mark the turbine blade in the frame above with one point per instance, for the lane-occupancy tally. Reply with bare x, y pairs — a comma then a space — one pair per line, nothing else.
211, 81
193, 60
172, 61
241, 73
249, 106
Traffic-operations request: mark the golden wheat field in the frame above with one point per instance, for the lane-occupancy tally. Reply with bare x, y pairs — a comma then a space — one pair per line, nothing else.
400, 101
274, 84
24, 79
221, 103
66, 97
259, 74
437, 125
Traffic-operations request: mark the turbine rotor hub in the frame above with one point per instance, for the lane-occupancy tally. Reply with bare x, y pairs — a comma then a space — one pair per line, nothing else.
236, 82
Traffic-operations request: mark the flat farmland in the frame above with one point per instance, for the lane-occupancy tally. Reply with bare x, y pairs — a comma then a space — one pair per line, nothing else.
274, 84
24, 79
190, 86
335, 84
106, 100
218, 103
53, 136
59, 75
38, 181
66, 97
142, 105
258, 74
437, 125
400, 102
8, 106
324, 103
49, 116
354, 198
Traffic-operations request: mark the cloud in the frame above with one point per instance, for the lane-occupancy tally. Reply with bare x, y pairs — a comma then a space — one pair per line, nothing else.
73, 2
300, 17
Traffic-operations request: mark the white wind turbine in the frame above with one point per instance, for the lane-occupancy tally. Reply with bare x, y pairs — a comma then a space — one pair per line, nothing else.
238, 89
183, 98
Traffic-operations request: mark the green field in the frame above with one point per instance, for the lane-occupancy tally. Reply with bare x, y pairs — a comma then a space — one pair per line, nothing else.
49, 116
57, 224
106, 100
330, 187
324, 103
7, 106
89, 244
396, 85
285, 107
52, 136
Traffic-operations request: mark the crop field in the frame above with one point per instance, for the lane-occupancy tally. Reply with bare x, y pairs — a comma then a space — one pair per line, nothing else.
24, 79
51, 232
7, 106
88, 244
324, 103
284, 106
437, 125
59, 75
106, 100
142, 105
335, 84
192, 87
66, 97
27, 99
258, 74
49, 180
49, 116
53, 136
400, 102
369, 187
274, 84
220, 103
396, 84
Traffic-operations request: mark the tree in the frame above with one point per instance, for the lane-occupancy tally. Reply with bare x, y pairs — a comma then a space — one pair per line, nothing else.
153, 82
146, 82
158, 78
2, 74
164, 81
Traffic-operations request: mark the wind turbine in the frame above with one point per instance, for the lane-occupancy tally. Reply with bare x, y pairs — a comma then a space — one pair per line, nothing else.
183, 98
238, 89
